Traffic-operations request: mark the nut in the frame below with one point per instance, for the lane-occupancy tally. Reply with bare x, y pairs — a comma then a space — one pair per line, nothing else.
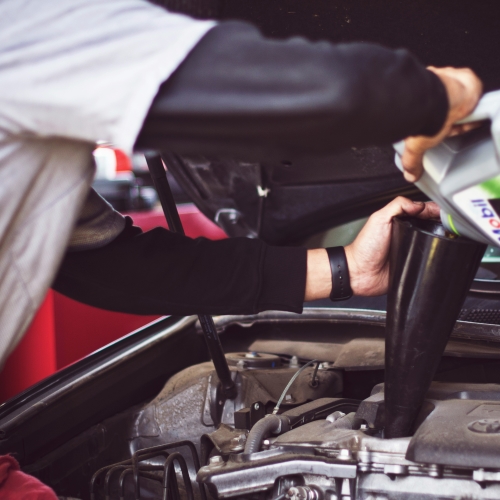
216, 460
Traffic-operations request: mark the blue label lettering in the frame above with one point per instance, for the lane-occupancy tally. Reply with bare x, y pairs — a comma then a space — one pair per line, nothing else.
487, 213
479, 203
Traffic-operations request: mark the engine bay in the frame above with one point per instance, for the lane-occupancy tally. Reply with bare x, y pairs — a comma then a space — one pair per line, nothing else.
452, 453
332, 447
324, 442
184, 440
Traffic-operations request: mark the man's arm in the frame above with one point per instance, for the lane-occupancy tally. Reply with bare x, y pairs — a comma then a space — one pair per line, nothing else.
160, 272
238, 93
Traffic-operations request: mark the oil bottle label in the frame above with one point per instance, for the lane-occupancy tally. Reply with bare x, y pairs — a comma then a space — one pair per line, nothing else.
481, 205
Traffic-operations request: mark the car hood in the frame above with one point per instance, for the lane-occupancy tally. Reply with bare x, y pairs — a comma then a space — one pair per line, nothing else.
287, 200
284, 202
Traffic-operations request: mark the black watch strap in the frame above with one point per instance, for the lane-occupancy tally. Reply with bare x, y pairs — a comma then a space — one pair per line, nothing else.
341, 285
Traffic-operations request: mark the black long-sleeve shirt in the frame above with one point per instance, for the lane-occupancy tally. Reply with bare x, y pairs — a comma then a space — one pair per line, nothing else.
160, 272
240, 94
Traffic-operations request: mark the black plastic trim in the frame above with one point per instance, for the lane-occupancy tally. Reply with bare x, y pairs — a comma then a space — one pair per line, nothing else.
110, 380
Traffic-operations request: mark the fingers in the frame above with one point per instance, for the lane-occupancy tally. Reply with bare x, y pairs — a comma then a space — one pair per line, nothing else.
463, 128
412, 159
464, 90
415, 148
368, 255
430, 211
404, 206
400, 206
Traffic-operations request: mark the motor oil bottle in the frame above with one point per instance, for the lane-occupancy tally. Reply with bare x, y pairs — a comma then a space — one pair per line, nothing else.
462, 175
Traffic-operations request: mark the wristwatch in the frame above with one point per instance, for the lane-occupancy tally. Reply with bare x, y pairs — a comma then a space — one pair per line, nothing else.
341, 285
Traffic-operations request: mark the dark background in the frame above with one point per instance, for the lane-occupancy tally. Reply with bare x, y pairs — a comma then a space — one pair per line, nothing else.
438, 32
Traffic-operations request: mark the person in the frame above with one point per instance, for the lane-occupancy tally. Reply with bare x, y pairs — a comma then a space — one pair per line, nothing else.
75, 72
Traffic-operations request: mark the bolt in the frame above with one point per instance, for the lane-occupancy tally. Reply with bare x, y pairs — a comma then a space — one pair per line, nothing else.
256, 406
294, 362
216, 460
288, 397
345, 454
333, 417
302, 493
435, 470
238, 442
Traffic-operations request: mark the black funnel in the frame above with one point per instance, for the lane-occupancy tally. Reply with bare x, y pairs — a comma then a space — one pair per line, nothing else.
430, 274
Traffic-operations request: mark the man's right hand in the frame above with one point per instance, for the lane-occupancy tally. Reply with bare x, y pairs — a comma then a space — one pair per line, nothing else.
464, 90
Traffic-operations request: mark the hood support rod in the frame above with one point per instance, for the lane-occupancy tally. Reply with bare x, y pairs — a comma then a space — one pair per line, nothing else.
159, 176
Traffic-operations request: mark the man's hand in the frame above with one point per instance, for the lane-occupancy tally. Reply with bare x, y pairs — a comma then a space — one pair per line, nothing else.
368, 255
464, 90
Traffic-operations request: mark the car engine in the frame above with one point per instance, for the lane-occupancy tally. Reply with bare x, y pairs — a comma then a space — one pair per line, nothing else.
302, 439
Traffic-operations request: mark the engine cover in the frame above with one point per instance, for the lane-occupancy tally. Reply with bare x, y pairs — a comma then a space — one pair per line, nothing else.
452, 454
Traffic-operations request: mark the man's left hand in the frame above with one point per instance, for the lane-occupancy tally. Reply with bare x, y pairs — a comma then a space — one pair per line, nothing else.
368, 255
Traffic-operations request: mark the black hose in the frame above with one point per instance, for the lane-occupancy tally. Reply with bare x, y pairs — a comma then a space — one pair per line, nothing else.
263, 428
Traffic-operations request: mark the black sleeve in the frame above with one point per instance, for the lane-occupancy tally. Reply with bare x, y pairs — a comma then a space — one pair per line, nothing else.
240, 94
159, 272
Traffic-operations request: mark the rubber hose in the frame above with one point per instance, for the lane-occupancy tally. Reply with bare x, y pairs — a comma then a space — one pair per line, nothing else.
262, 429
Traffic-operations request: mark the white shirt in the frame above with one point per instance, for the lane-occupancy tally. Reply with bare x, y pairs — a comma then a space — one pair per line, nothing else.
72, 72
87, 69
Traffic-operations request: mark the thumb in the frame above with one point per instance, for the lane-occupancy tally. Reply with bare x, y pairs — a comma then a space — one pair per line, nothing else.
412, 161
